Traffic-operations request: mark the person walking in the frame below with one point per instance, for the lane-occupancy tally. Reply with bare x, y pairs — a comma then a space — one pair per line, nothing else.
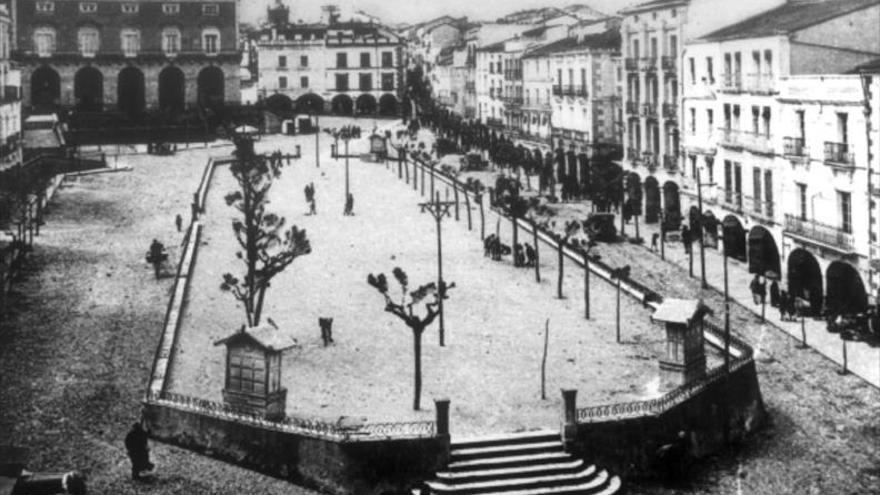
138, 451
758, 289
178, 221
774, 294
783, 303
654, 237
686, 238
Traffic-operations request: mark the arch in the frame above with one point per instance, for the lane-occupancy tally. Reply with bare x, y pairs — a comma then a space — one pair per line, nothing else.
763, 253
45, 87
846, 292
672, 206
710, 229
652, 199
388, 105
634, 193
310, 103
805, 280
341, 105
88, 89
694, 223
734, 237
172, 89
211, 87
366, 104
279, 103
130, 91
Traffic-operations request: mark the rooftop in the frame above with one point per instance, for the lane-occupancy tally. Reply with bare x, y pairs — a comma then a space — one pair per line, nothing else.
872, 66
608, 40
651, 5
788, 18
266, 336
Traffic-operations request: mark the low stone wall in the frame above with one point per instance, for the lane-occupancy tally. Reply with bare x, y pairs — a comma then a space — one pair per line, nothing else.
333, 465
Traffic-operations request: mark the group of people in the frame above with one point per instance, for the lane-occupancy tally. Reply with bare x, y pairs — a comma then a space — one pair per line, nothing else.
785, 301
523, 254
310, 198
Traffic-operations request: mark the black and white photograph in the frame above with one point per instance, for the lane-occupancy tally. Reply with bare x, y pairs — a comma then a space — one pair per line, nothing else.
423, 247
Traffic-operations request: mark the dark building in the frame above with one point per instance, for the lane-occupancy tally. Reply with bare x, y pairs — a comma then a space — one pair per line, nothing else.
130, 56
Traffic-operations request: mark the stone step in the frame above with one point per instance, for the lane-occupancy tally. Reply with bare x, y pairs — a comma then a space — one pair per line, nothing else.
505, 450
507, 438
570, 466
585, 478
508, 461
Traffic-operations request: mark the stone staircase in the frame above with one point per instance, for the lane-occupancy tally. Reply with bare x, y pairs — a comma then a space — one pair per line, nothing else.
519, 464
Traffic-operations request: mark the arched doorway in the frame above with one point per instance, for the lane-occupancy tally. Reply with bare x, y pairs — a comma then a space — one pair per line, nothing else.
279, 103
310, 103
710, 229
388, 105
734, 236
672, 206
366, 104
341, 105
652, 199
763, 254
130, 91
211, 87
45, 88
846, 292
694, 223
88, 90
172, 90
633, 205
805, 280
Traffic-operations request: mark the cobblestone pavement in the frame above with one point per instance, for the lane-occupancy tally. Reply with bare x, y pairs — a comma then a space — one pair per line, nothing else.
78, 343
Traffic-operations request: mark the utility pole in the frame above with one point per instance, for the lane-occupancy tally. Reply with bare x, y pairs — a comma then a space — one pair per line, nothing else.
700, 233
438, 210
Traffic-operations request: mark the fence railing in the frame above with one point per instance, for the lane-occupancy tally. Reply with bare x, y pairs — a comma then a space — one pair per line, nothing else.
668, 63
793, 146
631, 63
838, 153
817, 231
632, 108
731, 82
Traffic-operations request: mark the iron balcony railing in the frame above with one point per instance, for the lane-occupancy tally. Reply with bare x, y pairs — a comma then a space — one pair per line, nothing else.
819, 232
633, 154
649, 109
733, 200
731, 82
752, 141
760, 84
670, 111
670, 162
793, 146
632, 108
668, 63
648, 63
650, 160
838, 153
631, 63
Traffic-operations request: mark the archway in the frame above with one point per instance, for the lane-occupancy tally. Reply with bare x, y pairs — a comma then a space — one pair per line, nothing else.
366, 104
130, 91
710, 229
88, 90
694, 223
734, 238
652, 200
45, 88
633, 205
211, 87
172, 90
279, 103
341, 105
388, 105
763, 254
672, 206
805, 280
310, 103
846, 292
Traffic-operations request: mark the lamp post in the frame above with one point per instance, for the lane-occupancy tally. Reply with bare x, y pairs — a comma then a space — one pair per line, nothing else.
438, 210
700, 224
317, 143
618, 274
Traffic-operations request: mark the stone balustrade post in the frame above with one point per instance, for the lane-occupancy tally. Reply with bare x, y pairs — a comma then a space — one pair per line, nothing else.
442, 409
569, 425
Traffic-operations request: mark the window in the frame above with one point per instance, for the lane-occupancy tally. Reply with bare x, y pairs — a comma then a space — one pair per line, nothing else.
756, 61
765, 121
365, 59
388, 82
710, 119
692, 70
710, 168
211, 40
282, 61
710, 71
170, 8
802, 201
130, 8
341, 82
210, 9
387, 59
756, 112
844, 202
799, 121
44, 41
673, 45
88, 7
246, 373
341, 60
282, 82
365, 82
756, 189
636, 53
88, 40
653, 47
728, 172
693, 120
768, 193
842, 131
45, 7
131, 42
171, 41
768, 63
304, 61
304, 82
727, 124
693, 160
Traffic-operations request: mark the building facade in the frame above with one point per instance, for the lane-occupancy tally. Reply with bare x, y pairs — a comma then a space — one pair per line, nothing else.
10, 98
129, 56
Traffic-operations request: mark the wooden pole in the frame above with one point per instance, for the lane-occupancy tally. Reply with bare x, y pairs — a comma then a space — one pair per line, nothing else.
482, 219
586, 287
559, 245
455, 193
544, 359
467, 205
537, 257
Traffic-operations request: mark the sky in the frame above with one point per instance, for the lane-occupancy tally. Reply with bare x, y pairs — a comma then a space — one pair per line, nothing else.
412, 11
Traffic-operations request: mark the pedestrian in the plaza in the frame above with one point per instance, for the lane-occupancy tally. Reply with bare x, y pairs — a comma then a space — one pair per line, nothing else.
758, 289
531, 255
349, 205
686, 238
774, 294
178, 221
654, 237
518, 255
156, 256
138, 451
783, 304
487, 245
312, 207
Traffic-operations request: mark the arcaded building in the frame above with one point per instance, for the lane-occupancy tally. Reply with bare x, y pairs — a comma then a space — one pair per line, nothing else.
127, 56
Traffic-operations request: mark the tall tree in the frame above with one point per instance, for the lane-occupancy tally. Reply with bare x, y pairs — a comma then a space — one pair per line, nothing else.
267, 246
404, 311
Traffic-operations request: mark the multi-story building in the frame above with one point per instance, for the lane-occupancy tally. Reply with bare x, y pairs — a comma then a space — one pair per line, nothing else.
10, 99
450, 79
127, 55
774, 139
870, 78
290, 64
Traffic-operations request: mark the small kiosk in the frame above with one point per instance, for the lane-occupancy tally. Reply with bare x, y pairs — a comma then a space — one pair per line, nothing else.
685, 359
378, 147
253, 371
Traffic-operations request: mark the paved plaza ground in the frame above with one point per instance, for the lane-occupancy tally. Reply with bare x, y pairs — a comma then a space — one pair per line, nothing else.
76, 351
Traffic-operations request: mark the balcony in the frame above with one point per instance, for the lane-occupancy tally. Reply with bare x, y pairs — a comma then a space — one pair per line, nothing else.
670, 111
731, 83
513, 101
762, 210
732, 200
648, 64
557, 90
632, 108
649, 110
794, 147
751, 141
819, 233
494, 122
633, 155
761, 84
670, 163
650, 160
668, 63
631, 64
838, 155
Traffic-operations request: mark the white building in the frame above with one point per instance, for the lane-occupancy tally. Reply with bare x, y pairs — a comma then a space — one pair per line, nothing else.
10, 99
291, 65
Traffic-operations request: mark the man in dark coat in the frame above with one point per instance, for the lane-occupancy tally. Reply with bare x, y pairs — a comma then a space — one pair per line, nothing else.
138, 451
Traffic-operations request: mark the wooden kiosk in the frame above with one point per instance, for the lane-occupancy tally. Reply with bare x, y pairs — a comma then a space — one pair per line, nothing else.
253, 371
685, 359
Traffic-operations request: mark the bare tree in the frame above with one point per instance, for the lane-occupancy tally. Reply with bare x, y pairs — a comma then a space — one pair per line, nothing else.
404, 311
267, 246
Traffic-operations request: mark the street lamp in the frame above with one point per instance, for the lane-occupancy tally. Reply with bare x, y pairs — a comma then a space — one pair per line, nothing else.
438, 210
317, 142
618, 274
